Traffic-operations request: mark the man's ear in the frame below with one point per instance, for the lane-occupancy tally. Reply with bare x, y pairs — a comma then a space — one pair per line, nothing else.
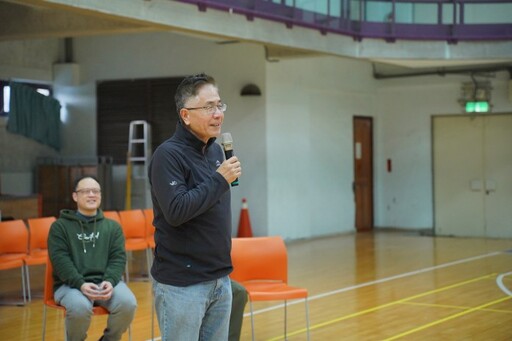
184, 114
75, 196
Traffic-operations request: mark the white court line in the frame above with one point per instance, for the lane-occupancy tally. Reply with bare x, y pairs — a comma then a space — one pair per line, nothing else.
387, 279
383, 280
499, 281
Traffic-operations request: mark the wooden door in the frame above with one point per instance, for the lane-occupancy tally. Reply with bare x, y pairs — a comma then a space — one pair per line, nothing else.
363, 172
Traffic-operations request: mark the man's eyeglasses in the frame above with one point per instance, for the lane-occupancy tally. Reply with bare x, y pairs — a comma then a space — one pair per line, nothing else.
94, 191
211, 109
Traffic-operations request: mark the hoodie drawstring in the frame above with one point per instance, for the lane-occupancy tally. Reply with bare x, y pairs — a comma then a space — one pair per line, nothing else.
93, 237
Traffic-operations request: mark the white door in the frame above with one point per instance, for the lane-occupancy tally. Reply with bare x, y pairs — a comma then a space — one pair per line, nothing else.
498, 176
457, 176
473, 175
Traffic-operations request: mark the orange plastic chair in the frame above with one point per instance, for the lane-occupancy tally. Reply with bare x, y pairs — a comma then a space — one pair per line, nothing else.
133, 223
49, 301
150, 233
13, 250
260, 264
38, 246
112, 215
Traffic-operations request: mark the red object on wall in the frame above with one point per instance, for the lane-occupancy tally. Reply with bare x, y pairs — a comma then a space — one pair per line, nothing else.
389, 166
244, 224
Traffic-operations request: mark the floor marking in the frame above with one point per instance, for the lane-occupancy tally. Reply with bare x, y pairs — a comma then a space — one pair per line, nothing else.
386, 305
362, 285
499, 281
503, 311
448, 318
383, 280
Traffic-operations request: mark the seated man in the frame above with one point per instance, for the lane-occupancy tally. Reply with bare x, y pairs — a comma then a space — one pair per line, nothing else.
88, 257
237, 310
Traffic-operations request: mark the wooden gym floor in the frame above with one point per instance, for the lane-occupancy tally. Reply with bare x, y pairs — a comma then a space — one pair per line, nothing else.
368, 286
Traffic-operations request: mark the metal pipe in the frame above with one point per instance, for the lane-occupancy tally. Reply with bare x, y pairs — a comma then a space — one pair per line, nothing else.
496, 68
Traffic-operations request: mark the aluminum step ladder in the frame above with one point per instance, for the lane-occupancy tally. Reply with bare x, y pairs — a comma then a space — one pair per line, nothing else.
138, 193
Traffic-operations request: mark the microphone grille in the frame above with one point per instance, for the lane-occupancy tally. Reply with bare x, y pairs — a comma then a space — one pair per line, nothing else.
226, 138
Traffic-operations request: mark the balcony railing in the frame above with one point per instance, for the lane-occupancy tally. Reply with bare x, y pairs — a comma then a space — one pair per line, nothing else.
450, 20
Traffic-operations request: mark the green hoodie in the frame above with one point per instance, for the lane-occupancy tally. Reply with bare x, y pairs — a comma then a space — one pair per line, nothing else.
86, 250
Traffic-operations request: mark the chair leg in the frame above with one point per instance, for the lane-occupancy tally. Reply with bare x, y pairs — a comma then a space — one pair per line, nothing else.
23, 291
285, 319
23, 285
307, 316
44, 325
27, 276
127, 273
44, 321
149, 260
252, 320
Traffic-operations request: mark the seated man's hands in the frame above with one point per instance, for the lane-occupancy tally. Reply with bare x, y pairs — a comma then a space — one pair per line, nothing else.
97, 292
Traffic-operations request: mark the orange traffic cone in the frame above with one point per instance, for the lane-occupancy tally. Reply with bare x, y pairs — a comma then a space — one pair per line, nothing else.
244, 225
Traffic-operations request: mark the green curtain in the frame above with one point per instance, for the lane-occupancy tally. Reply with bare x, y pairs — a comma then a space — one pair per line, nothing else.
34, 115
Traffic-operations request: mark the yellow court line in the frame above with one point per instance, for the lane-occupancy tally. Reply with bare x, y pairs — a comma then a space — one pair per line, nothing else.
455, 307
363, 312
448, 318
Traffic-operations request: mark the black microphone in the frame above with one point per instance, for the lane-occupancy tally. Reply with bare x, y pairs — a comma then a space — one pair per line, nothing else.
227, 143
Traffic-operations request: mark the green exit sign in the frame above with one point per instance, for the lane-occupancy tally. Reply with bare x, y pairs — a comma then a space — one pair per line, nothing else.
481, 106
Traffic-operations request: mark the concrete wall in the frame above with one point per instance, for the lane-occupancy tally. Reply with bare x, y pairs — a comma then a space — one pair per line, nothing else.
295, 141
404, 196
310, 169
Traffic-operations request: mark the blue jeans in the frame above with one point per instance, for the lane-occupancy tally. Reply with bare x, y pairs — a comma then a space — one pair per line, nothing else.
121, 306
195, 312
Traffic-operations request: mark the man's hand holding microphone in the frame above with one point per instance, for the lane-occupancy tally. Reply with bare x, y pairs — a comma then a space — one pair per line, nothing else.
231, 168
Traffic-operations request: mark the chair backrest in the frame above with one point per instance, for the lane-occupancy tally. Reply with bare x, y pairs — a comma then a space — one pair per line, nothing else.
259, 258
133, 223
112, 215
149, 216
14, 236
48, 284
38, 232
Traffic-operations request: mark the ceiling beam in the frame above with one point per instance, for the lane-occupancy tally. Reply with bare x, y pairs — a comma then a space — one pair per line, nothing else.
24, 22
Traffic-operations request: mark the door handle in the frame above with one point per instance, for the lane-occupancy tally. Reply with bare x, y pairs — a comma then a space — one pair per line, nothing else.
490, 186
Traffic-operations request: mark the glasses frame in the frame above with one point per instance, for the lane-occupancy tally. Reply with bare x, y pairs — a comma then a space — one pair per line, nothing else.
94, 191
211, 109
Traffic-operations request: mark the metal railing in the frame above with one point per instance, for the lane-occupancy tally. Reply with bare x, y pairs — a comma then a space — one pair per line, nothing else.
450, 20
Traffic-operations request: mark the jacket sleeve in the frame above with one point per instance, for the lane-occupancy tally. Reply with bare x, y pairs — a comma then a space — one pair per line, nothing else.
169, 176
116, 256
60, 256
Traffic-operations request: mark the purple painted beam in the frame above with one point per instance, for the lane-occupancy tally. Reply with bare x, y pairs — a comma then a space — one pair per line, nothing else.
360, 29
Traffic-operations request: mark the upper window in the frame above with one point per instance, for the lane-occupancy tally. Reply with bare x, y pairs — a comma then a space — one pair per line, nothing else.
5, 94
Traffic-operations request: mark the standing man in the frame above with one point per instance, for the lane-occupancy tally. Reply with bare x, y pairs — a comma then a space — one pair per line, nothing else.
190, 189
88, 257
240, 297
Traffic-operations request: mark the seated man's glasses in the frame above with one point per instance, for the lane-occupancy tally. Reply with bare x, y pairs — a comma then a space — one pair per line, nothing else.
94, 191
211, 109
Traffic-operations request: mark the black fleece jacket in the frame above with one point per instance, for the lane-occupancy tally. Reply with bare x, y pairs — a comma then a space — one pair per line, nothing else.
192, 211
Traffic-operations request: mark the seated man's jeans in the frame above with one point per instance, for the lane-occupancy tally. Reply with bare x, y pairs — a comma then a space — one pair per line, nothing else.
195, 312
121, 306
